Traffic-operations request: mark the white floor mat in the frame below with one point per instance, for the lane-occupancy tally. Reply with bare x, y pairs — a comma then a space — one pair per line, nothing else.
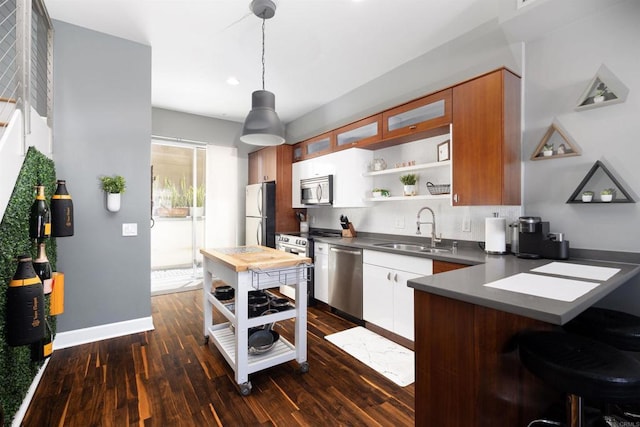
388, 358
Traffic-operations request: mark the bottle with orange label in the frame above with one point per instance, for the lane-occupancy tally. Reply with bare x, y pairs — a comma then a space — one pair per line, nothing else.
61, 211
40, 218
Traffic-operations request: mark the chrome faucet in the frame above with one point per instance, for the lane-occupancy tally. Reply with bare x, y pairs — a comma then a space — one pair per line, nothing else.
434, 239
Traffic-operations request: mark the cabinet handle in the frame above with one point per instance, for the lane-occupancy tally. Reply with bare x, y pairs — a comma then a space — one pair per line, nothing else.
455, 198
395, 277
413, 127
389, 276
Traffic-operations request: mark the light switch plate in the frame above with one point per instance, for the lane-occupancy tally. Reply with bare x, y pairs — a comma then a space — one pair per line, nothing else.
130, 229
399, 223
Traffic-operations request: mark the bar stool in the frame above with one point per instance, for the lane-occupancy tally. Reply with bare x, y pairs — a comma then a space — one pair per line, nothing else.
582, 368
616, 328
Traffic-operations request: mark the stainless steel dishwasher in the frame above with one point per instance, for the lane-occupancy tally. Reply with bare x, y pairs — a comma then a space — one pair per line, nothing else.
345, 280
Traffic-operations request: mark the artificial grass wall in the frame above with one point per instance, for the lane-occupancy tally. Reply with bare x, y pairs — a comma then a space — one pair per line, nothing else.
16, 369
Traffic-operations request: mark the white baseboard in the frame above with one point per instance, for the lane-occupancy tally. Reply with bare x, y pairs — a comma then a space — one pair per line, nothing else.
22, 411
102, 332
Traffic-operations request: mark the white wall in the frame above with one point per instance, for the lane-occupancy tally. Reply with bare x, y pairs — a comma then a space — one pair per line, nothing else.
399, 217
559, 66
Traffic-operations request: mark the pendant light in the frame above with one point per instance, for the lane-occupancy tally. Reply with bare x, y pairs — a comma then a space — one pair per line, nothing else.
262, 125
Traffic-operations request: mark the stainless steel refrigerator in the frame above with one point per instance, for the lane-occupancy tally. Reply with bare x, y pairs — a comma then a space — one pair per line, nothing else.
260, 221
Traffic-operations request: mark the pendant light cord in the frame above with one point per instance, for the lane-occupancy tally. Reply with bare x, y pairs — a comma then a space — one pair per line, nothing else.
263, 22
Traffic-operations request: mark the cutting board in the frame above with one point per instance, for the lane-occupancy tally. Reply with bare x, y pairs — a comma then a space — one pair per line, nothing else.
243, 258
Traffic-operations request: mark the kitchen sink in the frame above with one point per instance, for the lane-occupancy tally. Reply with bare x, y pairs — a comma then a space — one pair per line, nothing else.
411, 247
402, 246
435, 250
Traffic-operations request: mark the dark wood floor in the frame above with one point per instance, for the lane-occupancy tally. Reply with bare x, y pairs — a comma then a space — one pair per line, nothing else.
168, 377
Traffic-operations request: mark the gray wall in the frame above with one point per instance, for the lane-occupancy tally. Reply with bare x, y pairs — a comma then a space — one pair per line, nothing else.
558, 68
102, 126
482, 49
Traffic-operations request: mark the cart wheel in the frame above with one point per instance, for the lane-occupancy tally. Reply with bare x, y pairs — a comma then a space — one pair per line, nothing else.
245, 388
304, 367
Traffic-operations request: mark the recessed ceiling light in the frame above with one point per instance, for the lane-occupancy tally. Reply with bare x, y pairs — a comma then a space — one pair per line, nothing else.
233, 81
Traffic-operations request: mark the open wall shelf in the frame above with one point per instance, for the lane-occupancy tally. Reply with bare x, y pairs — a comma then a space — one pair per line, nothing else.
560, 141
600, 177
603, 89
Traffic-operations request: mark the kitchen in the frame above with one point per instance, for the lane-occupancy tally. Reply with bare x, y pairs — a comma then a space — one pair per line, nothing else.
547, 95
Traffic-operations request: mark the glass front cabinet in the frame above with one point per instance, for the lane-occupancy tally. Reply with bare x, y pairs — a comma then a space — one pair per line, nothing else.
423, 114
360, 133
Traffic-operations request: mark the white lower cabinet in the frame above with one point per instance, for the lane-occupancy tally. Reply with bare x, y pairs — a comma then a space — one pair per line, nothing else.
387, 300
321, 272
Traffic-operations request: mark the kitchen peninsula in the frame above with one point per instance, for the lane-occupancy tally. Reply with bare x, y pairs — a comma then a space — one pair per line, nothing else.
467, 367
468, 372
246, 269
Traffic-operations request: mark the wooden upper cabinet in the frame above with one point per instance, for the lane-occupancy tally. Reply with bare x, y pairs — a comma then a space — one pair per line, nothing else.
263, 165
486, 140
314, 147
423, 114
274, 164
359, 134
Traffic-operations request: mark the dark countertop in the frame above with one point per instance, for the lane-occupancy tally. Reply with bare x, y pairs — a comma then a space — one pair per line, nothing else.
467, 284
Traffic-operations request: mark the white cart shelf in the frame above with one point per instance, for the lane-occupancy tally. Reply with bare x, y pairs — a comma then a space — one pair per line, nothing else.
231, 337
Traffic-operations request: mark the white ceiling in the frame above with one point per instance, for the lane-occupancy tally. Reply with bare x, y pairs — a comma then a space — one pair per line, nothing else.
316, 50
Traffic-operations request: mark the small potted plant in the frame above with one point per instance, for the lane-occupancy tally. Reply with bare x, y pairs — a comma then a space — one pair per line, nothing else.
606, 195
409, 182
547, 150
379, 192
601, 90
113, 186
587, 196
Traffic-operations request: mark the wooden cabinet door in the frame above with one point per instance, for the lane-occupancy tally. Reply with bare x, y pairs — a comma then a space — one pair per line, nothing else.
486, 140
269, 162
263, 165
432, 111
255, 167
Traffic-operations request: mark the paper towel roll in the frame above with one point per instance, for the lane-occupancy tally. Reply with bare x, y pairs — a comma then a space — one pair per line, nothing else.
495, 230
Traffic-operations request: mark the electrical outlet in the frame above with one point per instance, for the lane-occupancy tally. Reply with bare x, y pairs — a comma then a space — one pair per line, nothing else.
466, 224
399, 223
129, 229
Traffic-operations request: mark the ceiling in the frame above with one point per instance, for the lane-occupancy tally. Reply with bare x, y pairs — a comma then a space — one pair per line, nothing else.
316, 50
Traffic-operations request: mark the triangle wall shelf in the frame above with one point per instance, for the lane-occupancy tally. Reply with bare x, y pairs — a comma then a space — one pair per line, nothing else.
605, 176
603, 89
547, 148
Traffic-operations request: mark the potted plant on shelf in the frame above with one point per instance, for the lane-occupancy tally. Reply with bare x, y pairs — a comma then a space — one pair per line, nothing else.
606, 195
600, 93
179, 200
113, 186
380, 192
587, 196
547, 150
409, 182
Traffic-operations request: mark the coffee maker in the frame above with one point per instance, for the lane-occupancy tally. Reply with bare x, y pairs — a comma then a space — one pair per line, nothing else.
535, 240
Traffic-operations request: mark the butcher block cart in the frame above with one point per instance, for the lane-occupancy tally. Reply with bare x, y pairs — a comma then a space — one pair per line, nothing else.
253, 268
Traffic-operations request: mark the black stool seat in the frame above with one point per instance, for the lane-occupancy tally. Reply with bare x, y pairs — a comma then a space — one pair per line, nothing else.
616, 328
580, 366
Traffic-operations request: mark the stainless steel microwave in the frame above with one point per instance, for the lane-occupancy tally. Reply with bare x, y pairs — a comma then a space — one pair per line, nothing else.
317, 190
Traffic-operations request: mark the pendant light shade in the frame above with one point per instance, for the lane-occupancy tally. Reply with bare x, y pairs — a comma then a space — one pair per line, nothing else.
262, 125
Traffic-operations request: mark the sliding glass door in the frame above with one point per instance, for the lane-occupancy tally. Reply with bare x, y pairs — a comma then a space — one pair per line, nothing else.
178, 176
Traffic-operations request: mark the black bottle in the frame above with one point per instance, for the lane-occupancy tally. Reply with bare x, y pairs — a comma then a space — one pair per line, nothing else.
61, 211
40, 219
43, 268
25, 305
42, 348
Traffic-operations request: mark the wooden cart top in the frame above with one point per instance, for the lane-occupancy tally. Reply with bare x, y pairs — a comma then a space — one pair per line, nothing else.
243, 258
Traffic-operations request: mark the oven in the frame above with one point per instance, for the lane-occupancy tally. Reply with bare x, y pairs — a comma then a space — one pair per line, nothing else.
301, 246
